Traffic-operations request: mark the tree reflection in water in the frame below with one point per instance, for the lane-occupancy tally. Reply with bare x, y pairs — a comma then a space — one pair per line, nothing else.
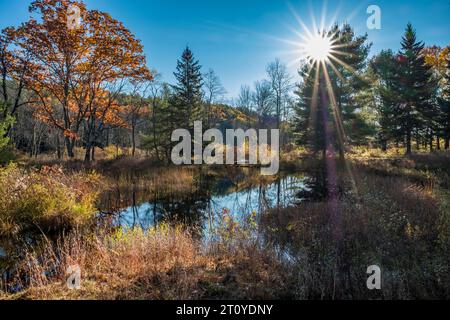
200, 209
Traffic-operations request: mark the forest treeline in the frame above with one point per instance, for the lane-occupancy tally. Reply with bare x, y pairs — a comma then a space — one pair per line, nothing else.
91, 88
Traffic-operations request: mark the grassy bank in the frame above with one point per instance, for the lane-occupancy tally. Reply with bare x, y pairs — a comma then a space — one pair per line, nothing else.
394, 213
45, 200
163, 263
391, 211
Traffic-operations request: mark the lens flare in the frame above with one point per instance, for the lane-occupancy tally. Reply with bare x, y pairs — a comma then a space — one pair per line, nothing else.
318, 48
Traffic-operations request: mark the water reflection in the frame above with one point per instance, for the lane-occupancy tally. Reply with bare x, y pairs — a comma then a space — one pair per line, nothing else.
201, 208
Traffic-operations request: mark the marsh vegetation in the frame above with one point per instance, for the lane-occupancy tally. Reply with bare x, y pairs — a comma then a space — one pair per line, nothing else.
87, 177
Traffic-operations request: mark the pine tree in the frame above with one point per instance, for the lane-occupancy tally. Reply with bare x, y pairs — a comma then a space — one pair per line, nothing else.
444, 107
348, 80
186, 101
5, 123
308, 121
313, 108
385, 67
161, 126
413, 84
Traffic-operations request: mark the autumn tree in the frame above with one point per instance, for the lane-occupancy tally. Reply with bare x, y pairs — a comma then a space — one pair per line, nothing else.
75, 70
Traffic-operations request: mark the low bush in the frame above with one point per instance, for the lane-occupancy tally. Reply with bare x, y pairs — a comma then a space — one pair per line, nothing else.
47, 199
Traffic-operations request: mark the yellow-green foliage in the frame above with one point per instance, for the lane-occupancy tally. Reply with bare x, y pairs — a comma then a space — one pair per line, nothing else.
112, 152
48, 199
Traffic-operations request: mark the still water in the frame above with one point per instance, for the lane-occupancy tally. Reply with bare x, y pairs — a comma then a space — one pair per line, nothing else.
202, 207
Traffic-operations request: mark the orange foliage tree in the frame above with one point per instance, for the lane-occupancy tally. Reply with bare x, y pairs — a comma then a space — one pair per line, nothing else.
437, 58
78, 73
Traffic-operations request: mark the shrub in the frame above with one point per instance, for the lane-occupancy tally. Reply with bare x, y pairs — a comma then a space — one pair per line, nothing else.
46, 199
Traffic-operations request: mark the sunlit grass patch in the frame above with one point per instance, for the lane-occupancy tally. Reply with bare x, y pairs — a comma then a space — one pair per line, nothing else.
161, 263
45, 200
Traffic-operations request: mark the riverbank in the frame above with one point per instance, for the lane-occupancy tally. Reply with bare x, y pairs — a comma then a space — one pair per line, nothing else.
389, 211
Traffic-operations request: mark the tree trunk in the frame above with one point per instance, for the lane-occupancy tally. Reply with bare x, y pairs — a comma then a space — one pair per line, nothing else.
89, 145
107, 137
69, 145
133, 139
447, 143
155, 144
33, 141
438, 143
87, 156
431, 140
58, 147
408, 142
38, 145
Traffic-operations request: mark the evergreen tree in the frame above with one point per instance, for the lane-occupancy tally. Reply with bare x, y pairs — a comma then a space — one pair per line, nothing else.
186, 101
158, 138
444, 107
308, 122
346, 75
349, 81
385, 67
413, 85
5, 123
406, 90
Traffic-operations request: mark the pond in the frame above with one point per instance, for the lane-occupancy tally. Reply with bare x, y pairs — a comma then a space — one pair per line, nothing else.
200, 206
203, 207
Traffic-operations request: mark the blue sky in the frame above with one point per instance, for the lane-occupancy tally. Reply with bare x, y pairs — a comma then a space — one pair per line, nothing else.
237, 38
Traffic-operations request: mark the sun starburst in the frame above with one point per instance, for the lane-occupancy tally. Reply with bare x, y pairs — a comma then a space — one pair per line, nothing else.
321, 49
318, 48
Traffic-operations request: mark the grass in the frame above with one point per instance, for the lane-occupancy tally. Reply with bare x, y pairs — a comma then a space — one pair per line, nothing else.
163, 263
45, 200
397, 217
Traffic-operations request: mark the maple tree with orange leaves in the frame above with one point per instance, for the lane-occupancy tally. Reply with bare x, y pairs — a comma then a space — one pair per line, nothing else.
77, 74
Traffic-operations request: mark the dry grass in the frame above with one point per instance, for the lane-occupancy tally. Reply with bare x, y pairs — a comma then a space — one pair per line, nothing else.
398, 219
391, 221
163, 263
